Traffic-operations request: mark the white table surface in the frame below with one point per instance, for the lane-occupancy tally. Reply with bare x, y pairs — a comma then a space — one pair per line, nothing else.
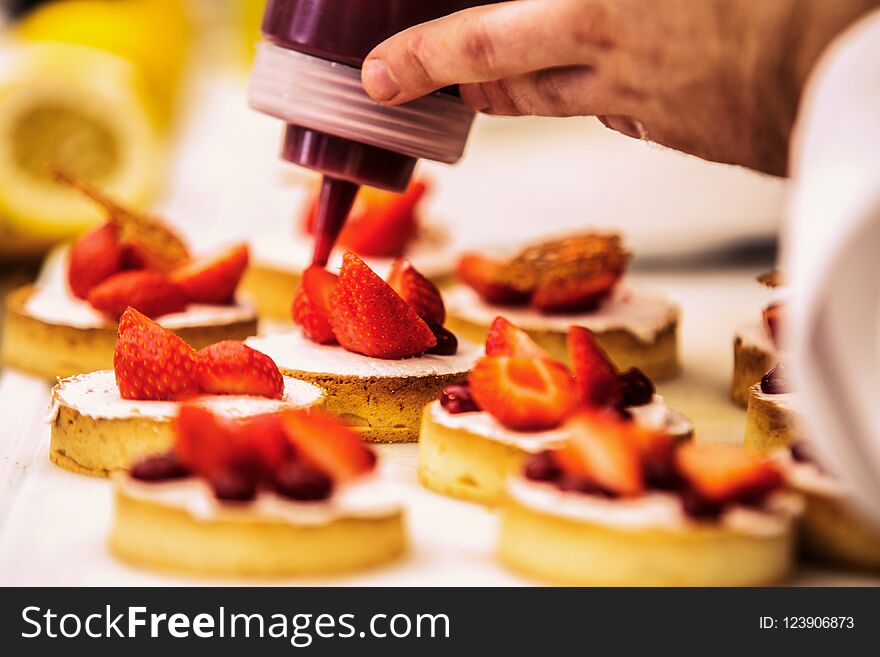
53, 524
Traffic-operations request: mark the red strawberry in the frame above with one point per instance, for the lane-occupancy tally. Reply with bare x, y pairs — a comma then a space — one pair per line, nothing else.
774, 317
417, 291
233, 368
505, 339
149, 292
575, 294
485, 276
206, 443
524, 394
725, 473
265, 443
312, 303
322, 440
370, 318
604, 450
597, 379
94, 257
214, 278
151, 362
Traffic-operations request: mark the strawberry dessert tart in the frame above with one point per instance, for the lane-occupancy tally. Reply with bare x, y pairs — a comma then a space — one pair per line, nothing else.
577, 280
378, 349
381, 227
65, 324
516, 404
772, 415
620, 505
276, 495
103, 421
756, 346
831, 530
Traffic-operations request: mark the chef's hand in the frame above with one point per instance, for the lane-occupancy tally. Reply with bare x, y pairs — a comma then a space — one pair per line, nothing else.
720, 79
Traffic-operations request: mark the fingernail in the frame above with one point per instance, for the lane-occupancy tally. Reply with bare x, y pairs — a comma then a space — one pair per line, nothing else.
474, 96
378, 82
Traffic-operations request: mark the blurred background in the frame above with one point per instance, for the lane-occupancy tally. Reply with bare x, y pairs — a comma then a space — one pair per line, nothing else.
147, 99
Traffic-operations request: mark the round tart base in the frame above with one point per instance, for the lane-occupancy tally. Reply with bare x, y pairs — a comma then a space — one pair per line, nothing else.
658, 359
565, 551
831, 532
154, 535
464, 464
769, 424
56, 350
90, 437
750, 364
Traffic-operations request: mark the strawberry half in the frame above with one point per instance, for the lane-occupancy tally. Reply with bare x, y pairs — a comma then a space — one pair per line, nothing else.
206, 443
725, 473
597, 379
149, 292
505, 339
574, 295
266, 447
774, 316
213, 279
325, 442
233, 368
417, 291
312, 303
486, 277
604, 450
151, 362
370, 318
94, 257
523, 394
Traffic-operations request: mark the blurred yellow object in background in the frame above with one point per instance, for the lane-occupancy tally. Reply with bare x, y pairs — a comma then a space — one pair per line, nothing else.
249, 14
90, 86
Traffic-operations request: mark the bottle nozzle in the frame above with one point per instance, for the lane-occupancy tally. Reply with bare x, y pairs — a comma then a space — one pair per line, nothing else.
334, 204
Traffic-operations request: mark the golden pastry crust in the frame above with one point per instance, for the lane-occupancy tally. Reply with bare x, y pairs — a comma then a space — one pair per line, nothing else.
658, 359
830, 531
576, 553
383, 409
55, 350
750, 363
153, 535
769, 424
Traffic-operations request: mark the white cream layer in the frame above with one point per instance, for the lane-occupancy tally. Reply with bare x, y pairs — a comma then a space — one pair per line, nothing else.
656, 415
755, 335
654, 510
642, 313
95, 395
371, 496
433, 258
291, 350
53, 303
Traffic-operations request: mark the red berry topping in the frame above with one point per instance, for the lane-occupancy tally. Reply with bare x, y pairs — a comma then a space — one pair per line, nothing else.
447, 343
370, 318
523, 394
486, 276
776, 381
312, 304
505, 339
214, 278
324, 442
417, 291
151, 362
94, 257
233, 368
597, 380
637, 388
774, 321
725, 473
163, 467
457, 398
149, 292
299, 481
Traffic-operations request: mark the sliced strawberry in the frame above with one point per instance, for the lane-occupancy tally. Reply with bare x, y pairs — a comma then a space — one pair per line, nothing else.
524, 394
265, 443
505, 339
94, 257
312, 303
597, 378
725, 473
574, 295
233, 368
417, 291
151, 362
322, 440
774, 318
370, 318
149, 292
486, 277
381, 223
603, 449
214, 278
206, 443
